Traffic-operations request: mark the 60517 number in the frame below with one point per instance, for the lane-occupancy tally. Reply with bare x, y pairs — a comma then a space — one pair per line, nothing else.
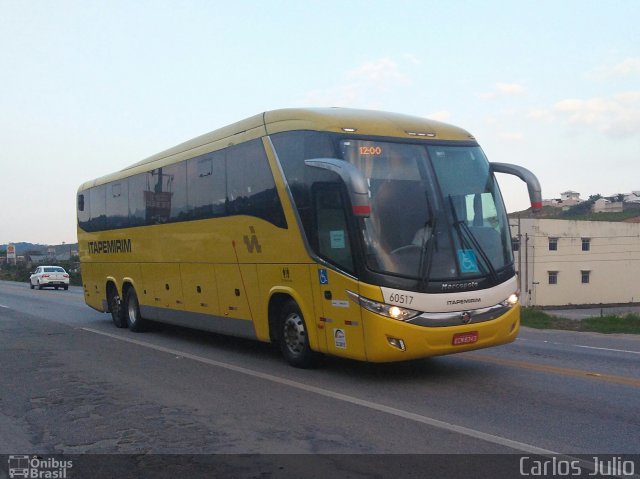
401, 298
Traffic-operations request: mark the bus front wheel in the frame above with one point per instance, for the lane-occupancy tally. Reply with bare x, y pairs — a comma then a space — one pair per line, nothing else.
135, 321
293, 338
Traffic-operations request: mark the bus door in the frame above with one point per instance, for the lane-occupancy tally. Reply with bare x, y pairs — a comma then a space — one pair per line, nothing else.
341, 318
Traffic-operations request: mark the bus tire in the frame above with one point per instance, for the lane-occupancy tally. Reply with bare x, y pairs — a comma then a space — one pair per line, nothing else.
116, 306
135, 321
293, 337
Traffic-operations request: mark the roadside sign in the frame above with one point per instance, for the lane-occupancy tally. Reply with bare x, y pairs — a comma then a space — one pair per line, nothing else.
11, 253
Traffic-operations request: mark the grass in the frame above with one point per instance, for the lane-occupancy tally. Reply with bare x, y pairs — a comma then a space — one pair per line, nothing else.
628, 323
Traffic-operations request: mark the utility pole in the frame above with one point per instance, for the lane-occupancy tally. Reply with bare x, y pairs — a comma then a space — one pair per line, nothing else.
519, 258
526, 268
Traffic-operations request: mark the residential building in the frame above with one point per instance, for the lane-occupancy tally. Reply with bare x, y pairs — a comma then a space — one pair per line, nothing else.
605, 205
633, 197
564, 262
567, 199
610, 204
570, 198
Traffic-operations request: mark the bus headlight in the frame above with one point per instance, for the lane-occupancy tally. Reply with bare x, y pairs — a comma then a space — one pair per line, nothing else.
388, 310
511, 301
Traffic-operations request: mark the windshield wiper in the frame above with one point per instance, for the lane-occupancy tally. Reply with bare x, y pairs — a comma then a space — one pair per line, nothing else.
464, 230
426, 251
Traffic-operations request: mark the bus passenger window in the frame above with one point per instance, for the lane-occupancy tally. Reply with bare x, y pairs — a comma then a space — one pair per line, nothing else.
177, 187
251, 189
84, 214
98, 205
118, 205
206, 186
137, 206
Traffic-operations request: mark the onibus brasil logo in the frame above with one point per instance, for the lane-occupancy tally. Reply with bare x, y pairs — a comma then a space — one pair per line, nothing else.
37, 467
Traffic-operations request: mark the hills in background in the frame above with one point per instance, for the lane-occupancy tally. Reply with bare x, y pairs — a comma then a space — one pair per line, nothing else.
23, 248
583, 211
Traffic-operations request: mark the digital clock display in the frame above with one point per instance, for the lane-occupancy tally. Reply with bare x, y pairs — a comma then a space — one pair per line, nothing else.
370, 150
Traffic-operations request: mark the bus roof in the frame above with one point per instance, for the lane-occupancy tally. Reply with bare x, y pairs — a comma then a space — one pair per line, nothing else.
341, 120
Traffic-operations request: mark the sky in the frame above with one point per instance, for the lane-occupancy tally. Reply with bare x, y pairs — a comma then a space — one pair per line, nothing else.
90, 87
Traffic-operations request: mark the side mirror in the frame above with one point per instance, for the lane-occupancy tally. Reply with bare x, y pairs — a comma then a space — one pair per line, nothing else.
353, 179
533, 185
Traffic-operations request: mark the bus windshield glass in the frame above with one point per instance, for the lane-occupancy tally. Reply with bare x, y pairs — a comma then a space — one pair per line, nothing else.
436, 211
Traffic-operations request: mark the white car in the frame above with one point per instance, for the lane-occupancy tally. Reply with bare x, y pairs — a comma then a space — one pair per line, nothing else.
49, 276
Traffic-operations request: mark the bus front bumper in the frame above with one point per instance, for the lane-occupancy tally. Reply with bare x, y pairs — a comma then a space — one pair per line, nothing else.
388, 340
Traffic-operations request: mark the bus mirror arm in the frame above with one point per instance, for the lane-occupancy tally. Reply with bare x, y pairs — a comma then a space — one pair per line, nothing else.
353, 179
533, 185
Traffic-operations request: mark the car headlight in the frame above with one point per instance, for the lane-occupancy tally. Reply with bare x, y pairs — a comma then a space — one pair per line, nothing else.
388, 310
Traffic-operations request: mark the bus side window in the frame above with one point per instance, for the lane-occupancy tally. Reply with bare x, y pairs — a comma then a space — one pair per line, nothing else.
98, 208
137, 205
84, 212
177, 186
251, 189
206, 189
117, 198
332, 233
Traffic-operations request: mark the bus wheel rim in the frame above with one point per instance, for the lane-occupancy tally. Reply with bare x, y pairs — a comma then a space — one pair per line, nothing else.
132, 309
294, 333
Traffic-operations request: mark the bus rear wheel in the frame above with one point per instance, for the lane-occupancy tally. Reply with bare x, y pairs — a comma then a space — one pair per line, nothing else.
293, 337
135, 321
118, 312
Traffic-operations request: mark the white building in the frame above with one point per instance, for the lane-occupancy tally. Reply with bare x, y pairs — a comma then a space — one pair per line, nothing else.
570, 197
633, 197
577, 262
605, 205
567, 199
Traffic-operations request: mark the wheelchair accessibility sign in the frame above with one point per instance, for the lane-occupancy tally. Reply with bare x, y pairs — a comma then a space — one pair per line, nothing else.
322, 276
468, 261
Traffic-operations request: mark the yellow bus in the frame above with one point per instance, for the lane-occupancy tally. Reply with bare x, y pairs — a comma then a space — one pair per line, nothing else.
368, 235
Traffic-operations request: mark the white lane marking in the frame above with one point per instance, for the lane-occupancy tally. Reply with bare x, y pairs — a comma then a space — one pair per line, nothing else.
3, 306
607, 349
580, 346
519, 446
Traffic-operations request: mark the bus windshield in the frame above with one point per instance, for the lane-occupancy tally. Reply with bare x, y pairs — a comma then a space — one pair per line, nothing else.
436, 211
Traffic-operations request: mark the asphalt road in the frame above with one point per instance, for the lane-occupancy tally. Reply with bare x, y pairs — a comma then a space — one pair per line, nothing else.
72, 383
